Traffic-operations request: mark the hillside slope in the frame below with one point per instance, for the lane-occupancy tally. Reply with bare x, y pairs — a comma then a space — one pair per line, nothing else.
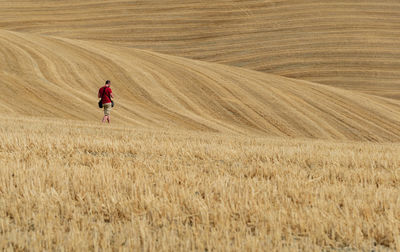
57, 77
346, 44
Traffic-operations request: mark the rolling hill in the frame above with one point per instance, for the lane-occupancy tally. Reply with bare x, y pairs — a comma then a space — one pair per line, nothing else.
348, 44
58, 77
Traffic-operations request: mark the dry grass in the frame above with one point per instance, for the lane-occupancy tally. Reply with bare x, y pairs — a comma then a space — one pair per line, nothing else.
79, 186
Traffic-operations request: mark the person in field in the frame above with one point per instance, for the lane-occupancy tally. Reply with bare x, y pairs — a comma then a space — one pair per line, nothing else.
105, 93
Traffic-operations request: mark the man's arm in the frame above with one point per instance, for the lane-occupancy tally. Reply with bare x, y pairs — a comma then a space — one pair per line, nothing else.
98, 95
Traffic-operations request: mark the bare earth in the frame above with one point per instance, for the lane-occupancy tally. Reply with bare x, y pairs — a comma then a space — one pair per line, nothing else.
239, 125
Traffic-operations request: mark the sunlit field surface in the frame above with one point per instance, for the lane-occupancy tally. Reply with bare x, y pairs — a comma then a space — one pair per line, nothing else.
81, 186
251, 125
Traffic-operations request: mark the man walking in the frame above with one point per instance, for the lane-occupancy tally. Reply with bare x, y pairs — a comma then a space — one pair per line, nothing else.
105, 93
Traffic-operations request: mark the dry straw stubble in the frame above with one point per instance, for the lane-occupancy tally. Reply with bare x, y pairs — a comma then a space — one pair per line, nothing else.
83, 187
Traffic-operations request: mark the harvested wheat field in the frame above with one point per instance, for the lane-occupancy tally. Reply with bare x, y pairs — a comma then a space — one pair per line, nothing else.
73, 187
239, 125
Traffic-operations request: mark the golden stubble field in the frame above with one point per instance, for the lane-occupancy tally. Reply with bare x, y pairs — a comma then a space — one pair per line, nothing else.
212, 146
81, 186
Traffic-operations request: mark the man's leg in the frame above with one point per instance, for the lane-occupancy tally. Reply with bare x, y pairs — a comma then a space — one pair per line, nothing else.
105, 114
107, 108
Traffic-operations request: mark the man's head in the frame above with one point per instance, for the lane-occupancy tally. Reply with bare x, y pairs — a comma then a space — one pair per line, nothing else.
108, 83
